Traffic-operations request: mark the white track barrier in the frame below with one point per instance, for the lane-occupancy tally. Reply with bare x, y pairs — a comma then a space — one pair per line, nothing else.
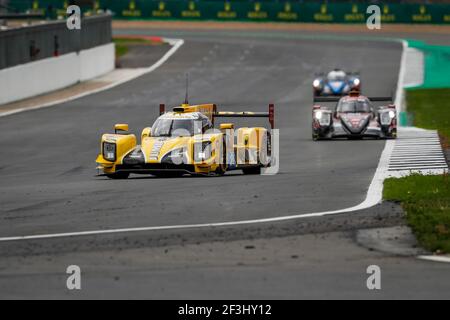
43, 76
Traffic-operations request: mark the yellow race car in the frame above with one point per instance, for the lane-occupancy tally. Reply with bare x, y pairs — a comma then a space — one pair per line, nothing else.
184, 141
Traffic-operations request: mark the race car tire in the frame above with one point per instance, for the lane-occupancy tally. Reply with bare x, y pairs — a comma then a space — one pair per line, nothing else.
394, 134
222, 168
168, 174
315, 137
252, 170
265, 155
118, 175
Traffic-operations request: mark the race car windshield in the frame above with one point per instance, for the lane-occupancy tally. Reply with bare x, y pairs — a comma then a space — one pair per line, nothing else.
354, 106
336, 76
175, 128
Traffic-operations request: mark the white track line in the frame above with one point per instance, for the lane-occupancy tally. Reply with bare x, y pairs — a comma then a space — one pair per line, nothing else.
373, 197
445, 259
175, 43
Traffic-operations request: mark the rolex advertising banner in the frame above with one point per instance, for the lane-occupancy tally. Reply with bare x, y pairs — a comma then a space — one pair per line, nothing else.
246, 10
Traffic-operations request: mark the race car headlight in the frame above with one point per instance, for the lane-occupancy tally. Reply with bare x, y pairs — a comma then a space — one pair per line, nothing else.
318, 115
109, 151
202, 151
316, 83
356, 82
392, 114
324, 118
385, 118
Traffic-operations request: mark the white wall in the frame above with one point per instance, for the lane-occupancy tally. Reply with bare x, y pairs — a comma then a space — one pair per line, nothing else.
97, 61
35, 78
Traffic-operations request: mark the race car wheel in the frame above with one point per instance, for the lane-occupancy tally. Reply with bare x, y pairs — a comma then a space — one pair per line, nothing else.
315, 136
265, 152
222, 168
168, 174
394, 134
118, 175
252, 170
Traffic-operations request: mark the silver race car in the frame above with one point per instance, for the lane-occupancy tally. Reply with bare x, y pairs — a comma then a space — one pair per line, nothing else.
353, 116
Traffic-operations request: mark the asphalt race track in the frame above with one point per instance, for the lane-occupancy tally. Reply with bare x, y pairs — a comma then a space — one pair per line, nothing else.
47, 176
48, 186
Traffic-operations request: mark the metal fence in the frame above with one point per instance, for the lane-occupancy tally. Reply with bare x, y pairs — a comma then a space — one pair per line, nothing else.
53, 38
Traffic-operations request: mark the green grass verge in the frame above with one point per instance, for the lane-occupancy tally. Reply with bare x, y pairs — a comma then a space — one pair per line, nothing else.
122, 44
127, 41
430, 109
121, 50
426, 201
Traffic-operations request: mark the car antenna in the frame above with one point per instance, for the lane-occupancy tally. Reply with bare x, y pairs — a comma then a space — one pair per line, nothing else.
186, 99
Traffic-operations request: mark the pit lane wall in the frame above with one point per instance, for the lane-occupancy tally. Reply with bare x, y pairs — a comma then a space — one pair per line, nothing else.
43, 76
54, 67
251, 10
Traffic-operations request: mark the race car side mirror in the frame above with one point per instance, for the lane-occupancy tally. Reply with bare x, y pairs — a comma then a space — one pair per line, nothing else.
146, 132
225, 126
120, 128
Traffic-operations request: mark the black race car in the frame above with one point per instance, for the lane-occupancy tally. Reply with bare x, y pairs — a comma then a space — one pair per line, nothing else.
336, 83
354, 116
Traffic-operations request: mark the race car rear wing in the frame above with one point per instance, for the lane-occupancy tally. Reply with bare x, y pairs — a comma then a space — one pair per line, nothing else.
336, 99
236, 114
348, 73
248, 114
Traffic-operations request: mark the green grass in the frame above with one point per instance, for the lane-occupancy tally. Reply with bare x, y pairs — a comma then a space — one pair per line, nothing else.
426, 201
121, 50
122, 44
430, 109
127, 41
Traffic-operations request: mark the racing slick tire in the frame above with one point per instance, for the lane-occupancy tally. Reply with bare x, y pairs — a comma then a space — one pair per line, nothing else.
394, 134
252, 170
118, 175
222, 168
315, 136
168, 174
262, 158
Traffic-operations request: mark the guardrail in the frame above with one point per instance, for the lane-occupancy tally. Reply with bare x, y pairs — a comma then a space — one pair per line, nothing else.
250, 10
40, 41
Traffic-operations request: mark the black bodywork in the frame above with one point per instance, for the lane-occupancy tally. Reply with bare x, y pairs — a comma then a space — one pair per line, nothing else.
367, 122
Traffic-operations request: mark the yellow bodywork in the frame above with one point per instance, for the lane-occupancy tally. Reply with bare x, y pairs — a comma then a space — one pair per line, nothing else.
156, 149
125, 143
